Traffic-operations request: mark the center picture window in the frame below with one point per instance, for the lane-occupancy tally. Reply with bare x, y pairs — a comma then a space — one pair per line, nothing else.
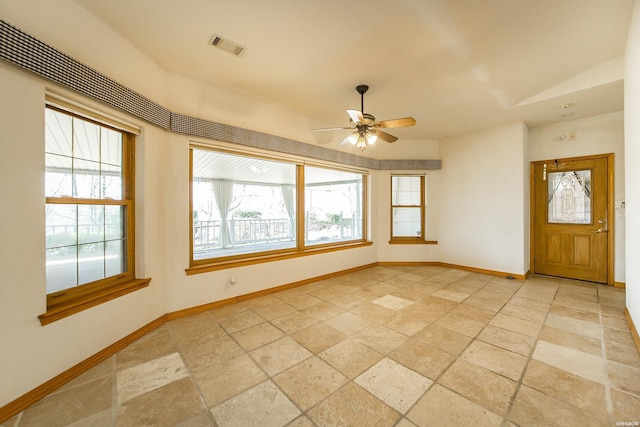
249, 208
241, 205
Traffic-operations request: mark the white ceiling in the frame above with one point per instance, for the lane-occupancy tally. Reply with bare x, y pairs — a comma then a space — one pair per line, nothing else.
454, 65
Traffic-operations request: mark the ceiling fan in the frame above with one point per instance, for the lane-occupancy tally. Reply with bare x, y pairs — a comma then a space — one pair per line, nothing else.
366, 130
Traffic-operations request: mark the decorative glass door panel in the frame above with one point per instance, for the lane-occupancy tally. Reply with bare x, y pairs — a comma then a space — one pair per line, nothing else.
572, 219
569, 197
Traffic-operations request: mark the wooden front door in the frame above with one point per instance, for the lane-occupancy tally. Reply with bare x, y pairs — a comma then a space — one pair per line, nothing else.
571, 218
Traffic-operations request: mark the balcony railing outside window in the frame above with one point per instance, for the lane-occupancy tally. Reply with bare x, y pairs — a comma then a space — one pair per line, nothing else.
256, 231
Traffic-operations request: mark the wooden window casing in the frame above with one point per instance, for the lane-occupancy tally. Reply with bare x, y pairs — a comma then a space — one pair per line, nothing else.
74, 299
300, 249
419, 239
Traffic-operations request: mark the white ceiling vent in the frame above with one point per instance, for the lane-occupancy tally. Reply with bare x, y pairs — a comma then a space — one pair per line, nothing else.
227, 45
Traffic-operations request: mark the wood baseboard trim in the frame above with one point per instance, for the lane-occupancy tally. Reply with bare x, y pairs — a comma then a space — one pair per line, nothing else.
407, 263
621, 285
29, 398
233, 300
632, 327
489, 272
459, 267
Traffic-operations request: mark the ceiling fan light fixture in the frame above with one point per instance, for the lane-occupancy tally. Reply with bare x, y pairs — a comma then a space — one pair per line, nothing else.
353, 138
364, 127
371, 138
361, 143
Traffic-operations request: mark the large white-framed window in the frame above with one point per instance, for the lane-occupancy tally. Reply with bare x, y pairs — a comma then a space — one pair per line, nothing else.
257, 207
89, 218
408, 195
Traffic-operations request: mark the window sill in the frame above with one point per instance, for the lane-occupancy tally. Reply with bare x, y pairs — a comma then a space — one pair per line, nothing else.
259, 259
72, 306
412, 241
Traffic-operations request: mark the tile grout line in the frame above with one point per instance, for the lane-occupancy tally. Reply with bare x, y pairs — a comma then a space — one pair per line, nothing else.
115, 408
18, 419
607, 386
352, 380
170, 333
505, 417
608, 399
303, 413
473, 339
191, 377
270, 377
530, 358
403, 416
349, 380
435, 380
114, 390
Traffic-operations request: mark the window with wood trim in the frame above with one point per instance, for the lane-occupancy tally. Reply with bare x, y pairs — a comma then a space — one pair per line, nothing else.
241, 205
89, 189
407, 208
333, 205
258, 208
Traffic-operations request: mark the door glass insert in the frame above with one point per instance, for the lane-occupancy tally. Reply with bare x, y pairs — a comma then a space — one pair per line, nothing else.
569, 197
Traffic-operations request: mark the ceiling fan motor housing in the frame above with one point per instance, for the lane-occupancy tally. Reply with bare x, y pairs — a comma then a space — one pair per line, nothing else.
362, 89
368, 119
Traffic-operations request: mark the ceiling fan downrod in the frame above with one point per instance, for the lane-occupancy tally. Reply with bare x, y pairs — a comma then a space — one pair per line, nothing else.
362, 89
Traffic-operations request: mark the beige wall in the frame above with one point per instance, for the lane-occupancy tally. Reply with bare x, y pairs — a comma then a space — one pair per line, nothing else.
477, 204
381, 203
595, 135
38, 353
64, 25
483, 200
32, 353
632, 171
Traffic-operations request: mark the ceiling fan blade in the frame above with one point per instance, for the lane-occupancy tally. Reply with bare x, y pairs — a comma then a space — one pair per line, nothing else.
345, 141
385, 136
356, 116
396, 123
336, 128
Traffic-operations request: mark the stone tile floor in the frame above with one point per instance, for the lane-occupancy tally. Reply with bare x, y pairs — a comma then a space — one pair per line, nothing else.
386, 346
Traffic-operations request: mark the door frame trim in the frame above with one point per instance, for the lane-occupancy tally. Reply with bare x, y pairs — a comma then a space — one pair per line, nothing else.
610, 209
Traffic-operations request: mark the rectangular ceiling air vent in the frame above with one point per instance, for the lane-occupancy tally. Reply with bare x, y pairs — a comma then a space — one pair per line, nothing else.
227, 45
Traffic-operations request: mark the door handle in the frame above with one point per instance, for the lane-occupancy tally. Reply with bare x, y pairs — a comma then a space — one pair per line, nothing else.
604, 229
